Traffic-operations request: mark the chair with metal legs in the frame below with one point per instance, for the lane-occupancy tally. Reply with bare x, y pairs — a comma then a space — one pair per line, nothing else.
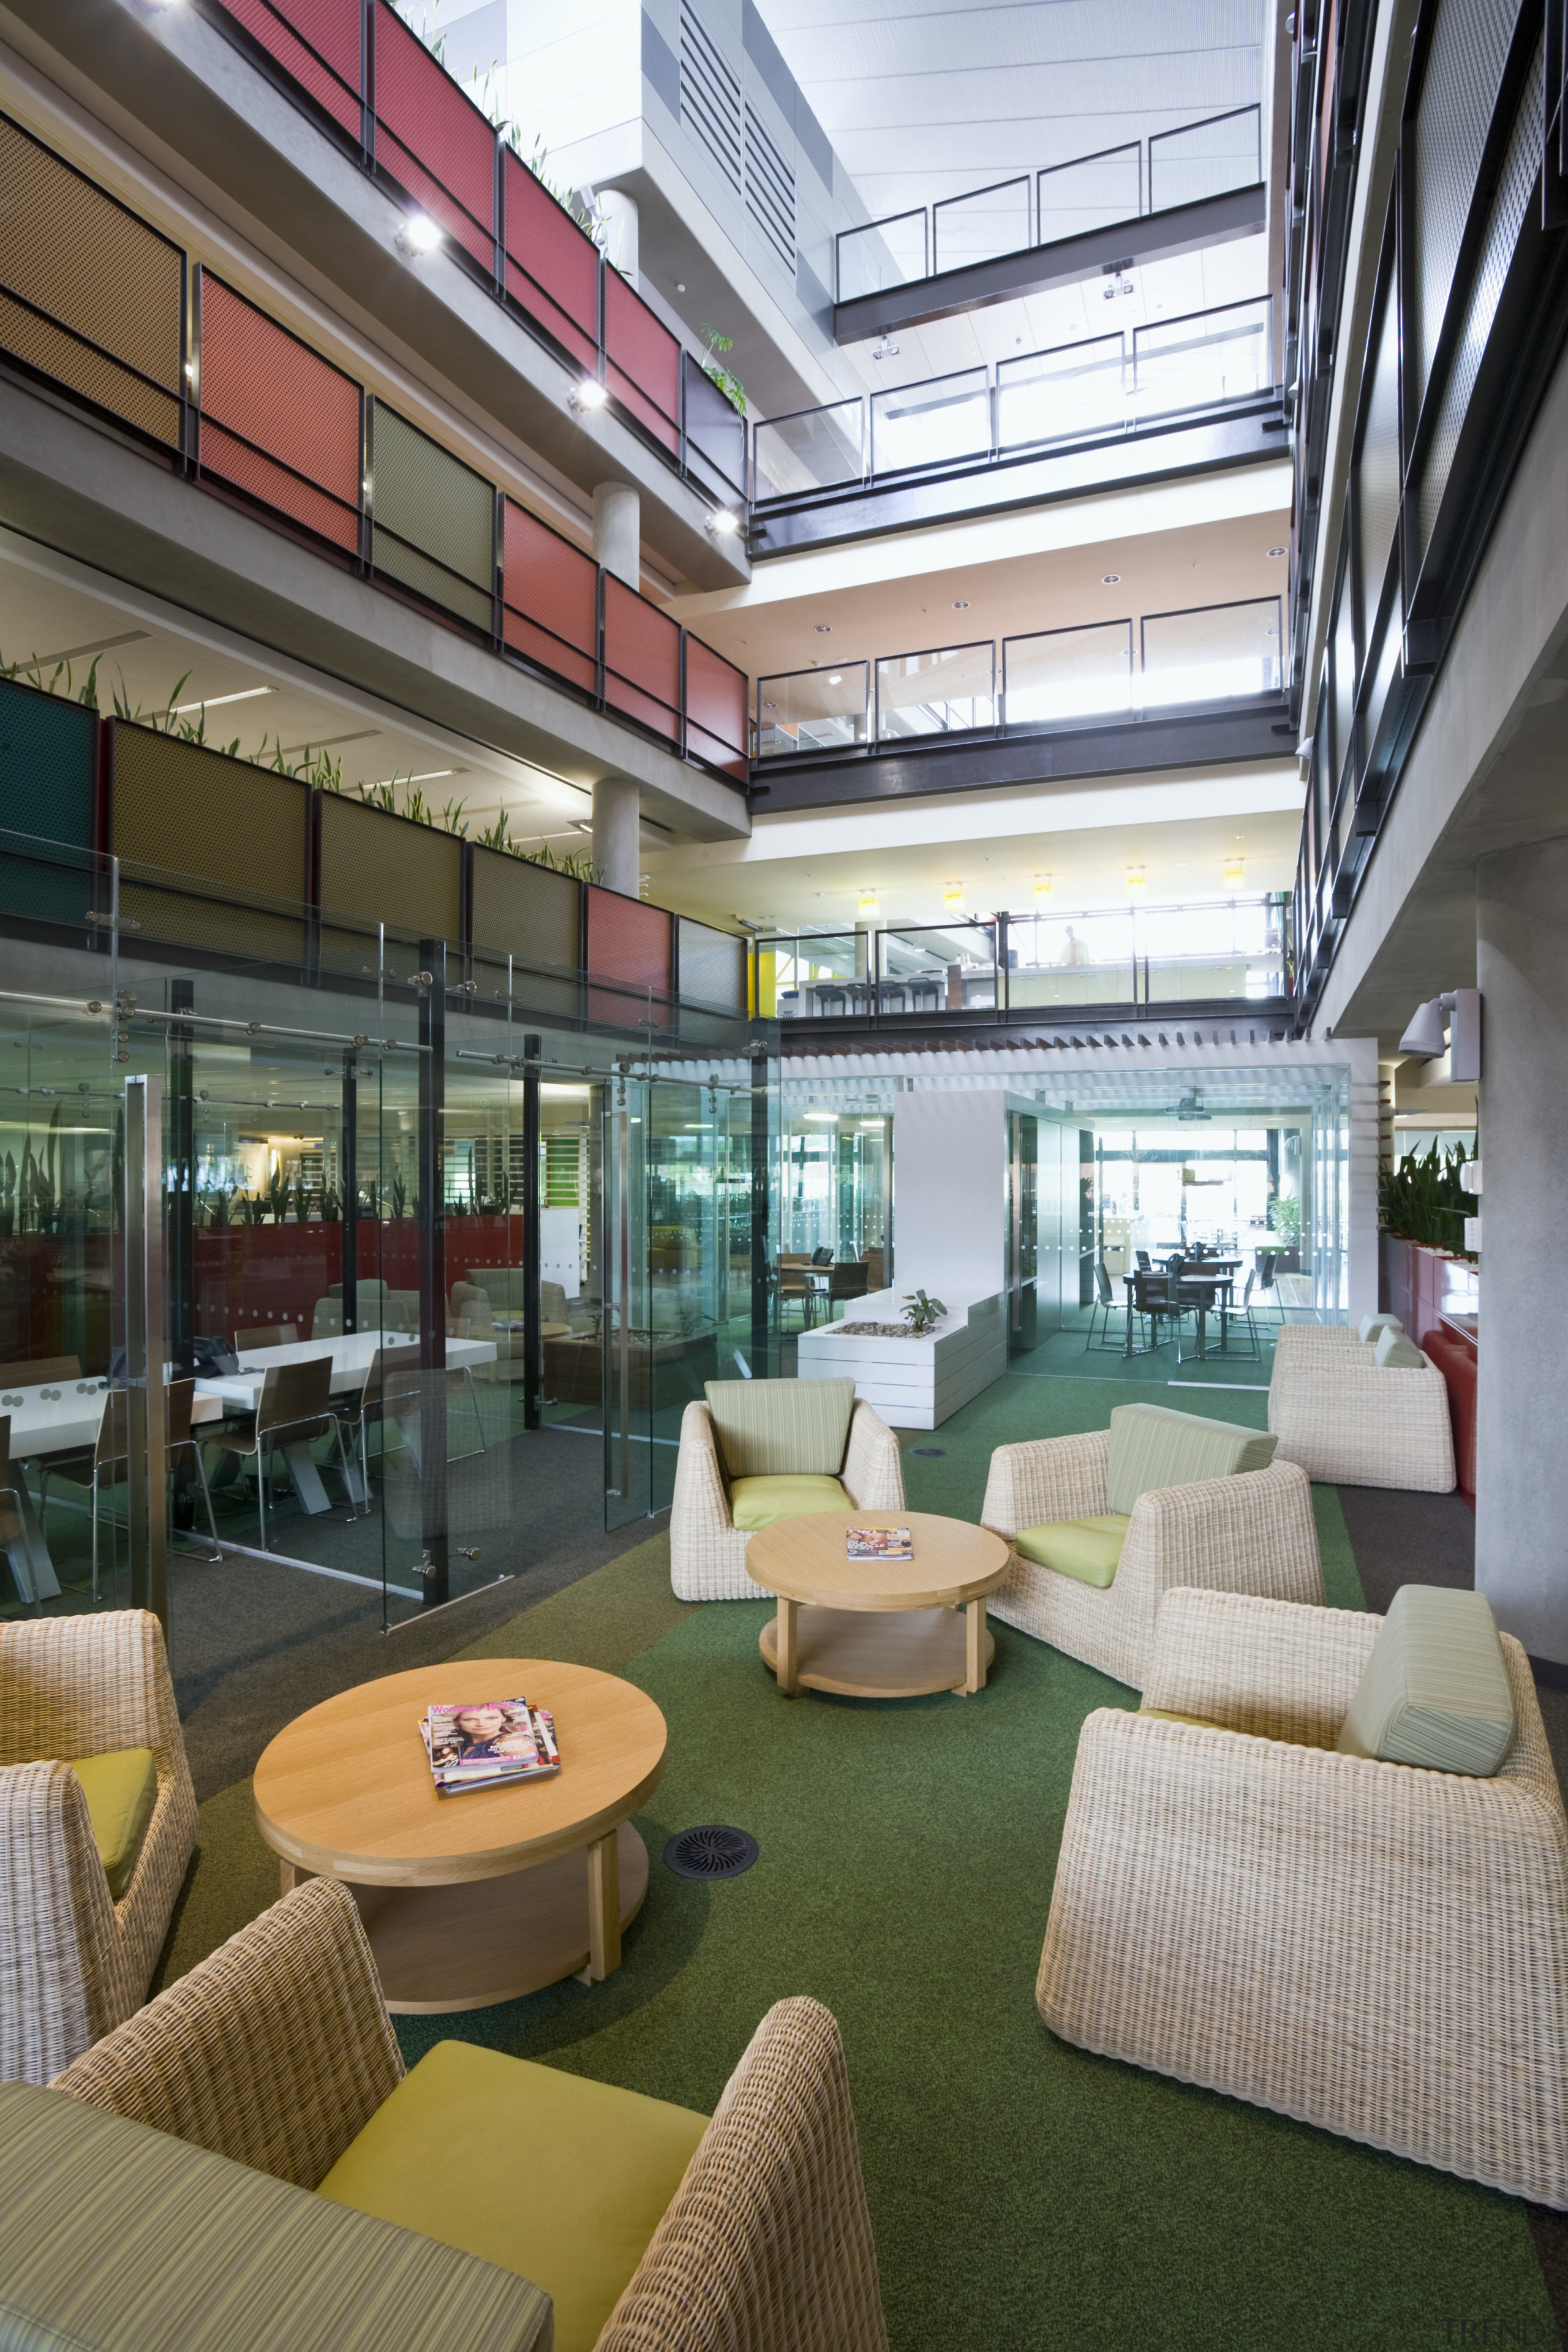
1230, 1317
393, 1378
294, 1408
13, 1525
1104, 1303
106, 1465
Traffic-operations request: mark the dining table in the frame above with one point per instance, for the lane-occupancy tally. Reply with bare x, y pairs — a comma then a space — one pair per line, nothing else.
1199, 1279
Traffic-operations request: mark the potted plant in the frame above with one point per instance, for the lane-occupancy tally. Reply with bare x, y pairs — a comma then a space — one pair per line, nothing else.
1285, 1230
921, 1313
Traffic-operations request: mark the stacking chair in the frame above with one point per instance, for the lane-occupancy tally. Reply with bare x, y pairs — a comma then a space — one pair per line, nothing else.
109, 1461
846, 1281
1145, 1263
1157, 1299
1267, 1262
794, 1287
40, 1372
295, 1407
268, 1334
1231, 1317
13, 1525
1103, 1303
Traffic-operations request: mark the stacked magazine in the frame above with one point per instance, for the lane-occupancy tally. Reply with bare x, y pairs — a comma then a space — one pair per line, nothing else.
487, 1743
878, 1543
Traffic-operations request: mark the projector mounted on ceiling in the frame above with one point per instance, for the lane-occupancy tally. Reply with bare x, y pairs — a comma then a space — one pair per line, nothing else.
1192, 1106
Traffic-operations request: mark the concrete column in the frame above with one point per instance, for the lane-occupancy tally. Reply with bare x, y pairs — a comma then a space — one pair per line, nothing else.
1522, 1467
615, 835
617, 530
620, 214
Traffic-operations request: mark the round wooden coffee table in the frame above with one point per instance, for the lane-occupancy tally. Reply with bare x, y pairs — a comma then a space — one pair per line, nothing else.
877, 1628
477, 1899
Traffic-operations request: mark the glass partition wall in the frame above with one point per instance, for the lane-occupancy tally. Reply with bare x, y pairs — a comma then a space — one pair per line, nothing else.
386, 1271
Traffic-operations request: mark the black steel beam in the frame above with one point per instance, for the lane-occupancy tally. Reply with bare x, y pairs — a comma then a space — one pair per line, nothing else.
1242, 436
1154, 237
1217, 736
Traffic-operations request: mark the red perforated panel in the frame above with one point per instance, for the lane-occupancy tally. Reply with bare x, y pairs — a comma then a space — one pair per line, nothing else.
551, 268
317, 41
550, 599
644, 363
642, 660
433, 141
628, 942
717, 697
277, 420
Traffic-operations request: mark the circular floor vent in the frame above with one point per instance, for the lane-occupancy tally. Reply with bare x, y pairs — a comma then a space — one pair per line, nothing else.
711, 1852
930, 1452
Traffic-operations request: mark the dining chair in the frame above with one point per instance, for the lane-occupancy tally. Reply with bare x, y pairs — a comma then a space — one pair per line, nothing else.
13, 1526
1104, 1303
1144, 1262
1230, 1316
39, 1371
267, 1334
295, 1407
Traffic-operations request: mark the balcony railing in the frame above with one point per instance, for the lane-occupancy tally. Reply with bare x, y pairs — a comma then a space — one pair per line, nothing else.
1175, 167
1051, 679
105, 308
1012, 966
364, 75
1110, 384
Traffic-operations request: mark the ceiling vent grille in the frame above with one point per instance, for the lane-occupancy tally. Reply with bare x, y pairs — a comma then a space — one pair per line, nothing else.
769, 189
710, 98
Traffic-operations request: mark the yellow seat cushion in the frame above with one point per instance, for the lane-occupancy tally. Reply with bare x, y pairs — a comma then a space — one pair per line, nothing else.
1200, 1722
1087, 1549
561, 2179
121, 1789
758, 1502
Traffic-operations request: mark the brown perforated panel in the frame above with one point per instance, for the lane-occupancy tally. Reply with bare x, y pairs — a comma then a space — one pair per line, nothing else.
642, 659
551, 598
527, 913
383, 869
435, 519
277, 420
94, 293
182, 810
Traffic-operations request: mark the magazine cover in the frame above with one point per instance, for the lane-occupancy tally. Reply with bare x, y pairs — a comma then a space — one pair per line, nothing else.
878, 1543
485, 1742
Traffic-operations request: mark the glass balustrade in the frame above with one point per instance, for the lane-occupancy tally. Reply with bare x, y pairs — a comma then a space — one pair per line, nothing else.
980, 226
1192, 363
891, 252
936, 423
816, 450
813, 711
1206, 159
816, 977
1083, 959
938, 693
1212, 654
1062, 394
1061, 675
1091, 192
950, 969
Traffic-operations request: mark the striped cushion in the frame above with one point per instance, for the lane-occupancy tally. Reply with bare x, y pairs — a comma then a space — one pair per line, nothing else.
769, 1429
1435, 1690
1153, 1446
1396, 1353
116, 2238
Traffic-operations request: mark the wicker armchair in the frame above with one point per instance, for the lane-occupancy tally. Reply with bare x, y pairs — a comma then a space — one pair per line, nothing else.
1373, 1948
74, 1962
708, 1552
1255, 1533
276, 2051
1349, 1421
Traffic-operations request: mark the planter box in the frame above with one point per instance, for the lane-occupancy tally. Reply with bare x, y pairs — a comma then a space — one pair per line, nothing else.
1420, 1284
913, 1383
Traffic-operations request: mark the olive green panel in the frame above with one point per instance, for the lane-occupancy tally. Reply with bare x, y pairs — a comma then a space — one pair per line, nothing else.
378, 868
189, 811
532, 915
713, 965
434, 517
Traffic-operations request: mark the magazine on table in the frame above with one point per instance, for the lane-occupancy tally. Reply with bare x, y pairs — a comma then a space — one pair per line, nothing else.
487, 1742
878, 1543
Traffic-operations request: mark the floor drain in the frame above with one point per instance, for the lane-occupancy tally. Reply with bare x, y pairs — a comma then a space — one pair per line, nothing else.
711, 1852
930, 1452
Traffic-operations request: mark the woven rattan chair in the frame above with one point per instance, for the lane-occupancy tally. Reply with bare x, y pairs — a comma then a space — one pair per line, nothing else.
74, 1962
1250, 1534
1374, 1949
708, 1552
276, 2051
1350, 1422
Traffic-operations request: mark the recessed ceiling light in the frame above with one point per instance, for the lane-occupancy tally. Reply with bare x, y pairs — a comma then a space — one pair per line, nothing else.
1277, 550
824, 629
1109, 579
681, 289
960, 605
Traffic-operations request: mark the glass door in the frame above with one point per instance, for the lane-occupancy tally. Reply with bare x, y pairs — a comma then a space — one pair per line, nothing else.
1022, 1240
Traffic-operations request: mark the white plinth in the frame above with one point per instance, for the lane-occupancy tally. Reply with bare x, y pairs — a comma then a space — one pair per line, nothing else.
913, 1383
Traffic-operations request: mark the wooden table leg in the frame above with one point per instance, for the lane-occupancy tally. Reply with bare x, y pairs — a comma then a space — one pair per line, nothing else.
287, 1878
788, 1646
604, 1908
973, 1648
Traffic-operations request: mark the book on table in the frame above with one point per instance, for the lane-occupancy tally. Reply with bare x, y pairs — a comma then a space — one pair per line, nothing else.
878, 1543
488, 1743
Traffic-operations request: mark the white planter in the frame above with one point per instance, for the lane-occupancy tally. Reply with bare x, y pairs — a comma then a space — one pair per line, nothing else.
913, 1383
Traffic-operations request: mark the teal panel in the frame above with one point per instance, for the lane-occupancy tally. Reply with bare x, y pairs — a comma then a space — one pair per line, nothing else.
48, 789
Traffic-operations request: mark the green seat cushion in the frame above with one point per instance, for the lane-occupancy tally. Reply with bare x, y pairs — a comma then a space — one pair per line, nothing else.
1089, 1549
121, 1789
1153, 1446
769, 1429
758, 1502
596, 2169
118, 2238
1370, 1326
1396, 1353
1435, 1690
1201, 1722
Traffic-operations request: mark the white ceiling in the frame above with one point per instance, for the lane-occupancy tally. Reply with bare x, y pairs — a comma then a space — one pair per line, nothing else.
925, 99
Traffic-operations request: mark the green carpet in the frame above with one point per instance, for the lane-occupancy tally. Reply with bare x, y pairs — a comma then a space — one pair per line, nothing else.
1023, 2193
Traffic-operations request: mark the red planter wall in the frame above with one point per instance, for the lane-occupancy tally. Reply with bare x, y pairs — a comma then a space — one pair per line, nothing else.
250, 1276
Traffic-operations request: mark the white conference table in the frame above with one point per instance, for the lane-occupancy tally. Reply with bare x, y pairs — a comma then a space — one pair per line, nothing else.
65, 1417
